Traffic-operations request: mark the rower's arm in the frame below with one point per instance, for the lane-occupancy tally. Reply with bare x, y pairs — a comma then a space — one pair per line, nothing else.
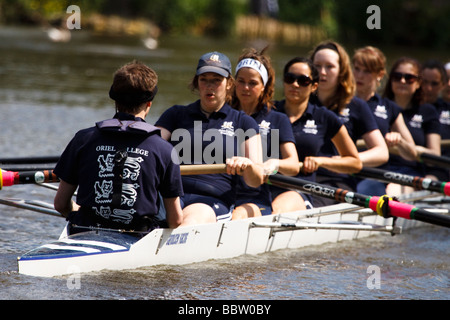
377, 152
433, 142
165, 134
63, 199
174, 213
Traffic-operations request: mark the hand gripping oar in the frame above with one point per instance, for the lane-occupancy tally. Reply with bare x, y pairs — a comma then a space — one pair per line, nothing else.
9, 178
418, 183
384, 206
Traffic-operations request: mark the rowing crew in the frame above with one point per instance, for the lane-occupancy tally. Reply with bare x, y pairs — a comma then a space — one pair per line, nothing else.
317, 123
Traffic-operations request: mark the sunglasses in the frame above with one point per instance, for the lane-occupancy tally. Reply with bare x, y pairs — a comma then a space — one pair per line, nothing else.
409, 78
302, 80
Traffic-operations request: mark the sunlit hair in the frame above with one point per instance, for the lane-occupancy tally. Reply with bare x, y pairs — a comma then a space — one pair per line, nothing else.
267, 97
133, 77
388, 93
193, 86
371, 58
346, 82
308, 62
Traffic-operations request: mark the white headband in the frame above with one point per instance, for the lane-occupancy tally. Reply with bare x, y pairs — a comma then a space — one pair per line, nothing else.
256, 65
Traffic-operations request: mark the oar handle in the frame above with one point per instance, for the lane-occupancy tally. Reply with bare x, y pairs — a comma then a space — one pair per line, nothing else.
203, 169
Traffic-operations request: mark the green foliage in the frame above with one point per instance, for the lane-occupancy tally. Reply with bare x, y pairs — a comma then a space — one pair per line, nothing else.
406, 22
409, 23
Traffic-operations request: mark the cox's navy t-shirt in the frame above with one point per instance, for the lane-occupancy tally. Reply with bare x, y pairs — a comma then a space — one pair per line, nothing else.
88, 161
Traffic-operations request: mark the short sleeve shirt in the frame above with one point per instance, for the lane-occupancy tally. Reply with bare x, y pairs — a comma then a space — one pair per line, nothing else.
421, 120
385, 111
275, 129
205, 140
311, 131
88, 161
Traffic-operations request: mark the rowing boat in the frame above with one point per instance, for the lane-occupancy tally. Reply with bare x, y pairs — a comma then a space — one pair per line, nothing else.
357, 216
96, 250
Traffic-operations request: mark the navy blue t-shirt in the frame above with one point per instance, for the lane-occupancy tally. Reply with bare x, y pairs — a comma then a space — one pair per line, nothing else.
316, 126
421, 120
201, 140
385, 111
88, 161
443, 109
359, 120
274, 128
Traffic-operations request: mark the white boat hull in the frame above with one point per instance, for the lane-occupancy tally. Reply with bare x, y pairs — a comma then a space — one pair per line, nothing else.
101, 250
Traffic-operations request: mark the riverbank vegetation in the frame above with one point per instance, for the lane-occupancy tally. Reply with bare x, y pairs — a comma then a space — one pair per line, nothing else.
410, 23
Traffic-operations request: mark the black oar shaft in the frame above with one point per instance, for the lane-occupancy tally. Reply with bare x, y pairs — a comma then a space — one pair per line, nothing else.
29, 160
430, 217
320, 190
418, 183
382, 205
440, 161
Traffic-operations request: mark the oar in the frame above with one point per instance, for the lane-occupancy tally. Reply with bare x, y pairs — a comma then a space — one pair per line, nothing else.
31, 205
29, 160
9, 178
193, 169
424, 157
418, 183
384, 206
28, 167
29, 163
428, 158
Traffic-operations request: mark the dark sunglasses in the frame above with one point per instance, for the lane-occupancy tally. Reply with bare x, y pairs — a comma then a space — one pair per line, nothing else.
302, 80
409, 78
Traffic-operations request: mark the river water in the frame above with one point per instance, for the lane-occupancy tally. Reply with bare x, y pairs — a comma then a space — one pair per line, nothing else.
48, 91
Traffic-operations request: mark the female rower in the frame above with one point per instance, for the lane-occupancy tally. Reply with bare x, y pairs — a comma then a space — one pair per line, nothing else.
434, 79
236, 141
312, 126
369, 69
336, 92
255, 81
403, 87
445, 93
